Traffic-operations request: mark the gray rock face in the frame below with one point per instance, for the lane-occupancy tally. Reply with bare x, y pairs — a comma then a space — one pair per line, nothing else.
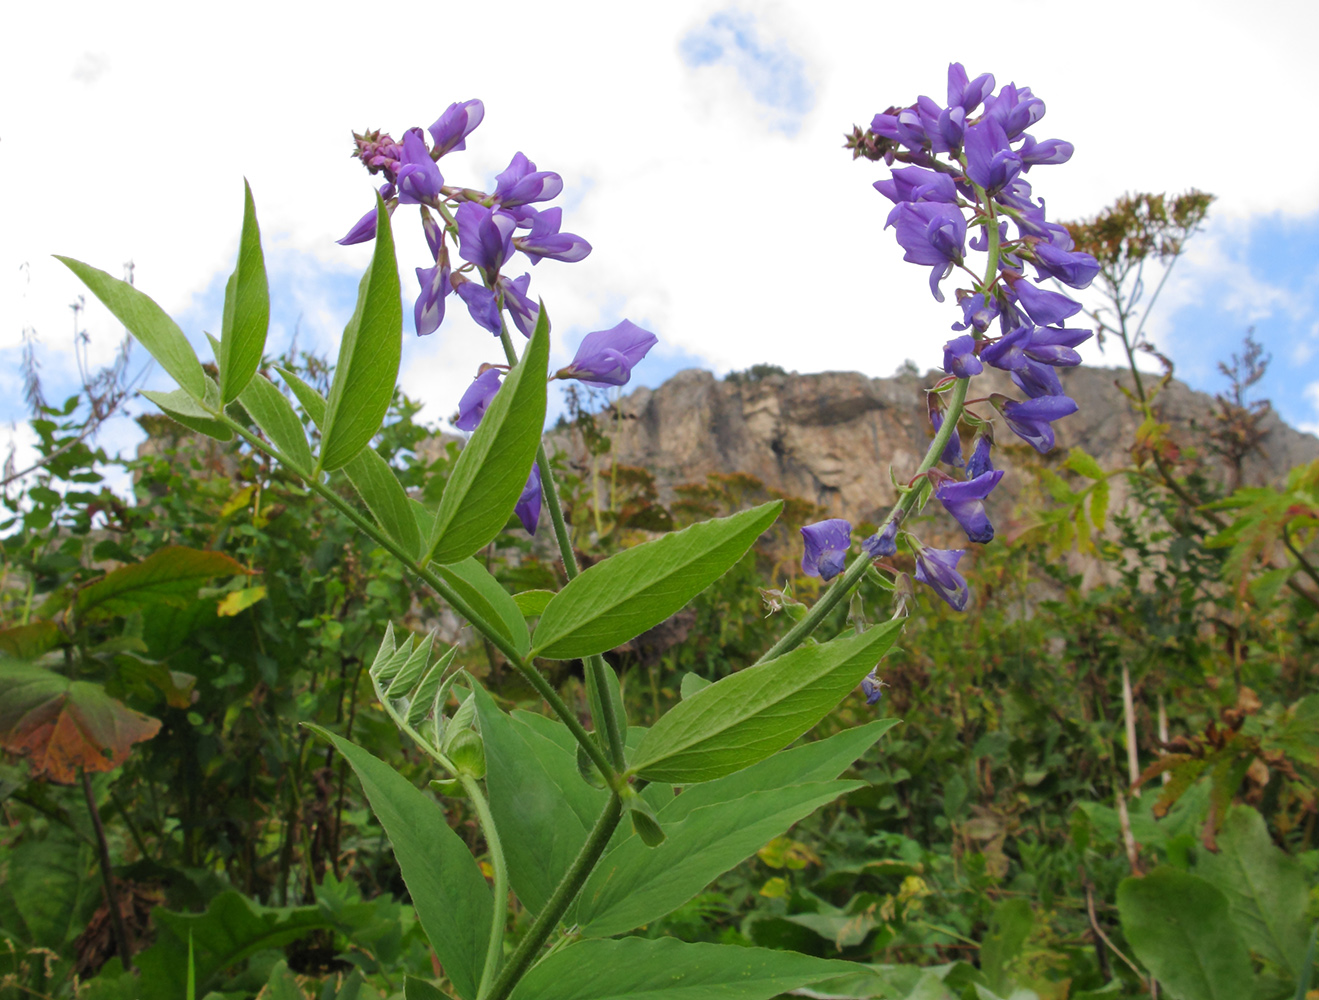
832, 437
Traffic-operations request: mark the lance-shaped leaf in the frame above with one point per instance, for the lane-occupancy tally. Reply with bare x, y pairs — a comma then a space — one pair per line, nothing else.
64, 725
385, 497
367, 369
183, 409
492, 470
246, 309
748, 715
274, 414
1179, 927
170, 575
148, 323
486, 597
636, 589
669, 969
451, 896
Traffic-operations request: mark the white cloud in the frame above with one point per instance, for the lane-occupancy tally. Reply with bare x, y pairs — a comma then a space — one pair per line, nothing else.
1312, 397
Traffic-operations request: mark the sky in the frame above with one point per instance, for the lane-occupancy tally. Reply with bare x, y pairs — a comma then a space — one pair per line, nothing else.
700, 149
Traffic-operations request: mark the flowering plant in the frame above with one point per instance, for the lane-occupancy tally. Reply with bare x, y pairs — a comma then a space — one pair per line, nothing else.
550, 795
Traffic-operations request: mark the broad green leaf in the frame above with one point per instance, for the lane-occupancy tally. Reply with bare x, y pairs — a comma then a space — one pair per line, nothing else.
542, 807
746, 716
312, 401
171, 575
246, 309
367, 369
147, 322
492, 469
419, 989
1266, 889
282, 984
714, 826
50, 888
1180, 927
1009, 927
635, 884
447, 888
487, 598
636, 589
691, 683
385, 497
275, 416
669, 969
532, 602
181, 407
27, 642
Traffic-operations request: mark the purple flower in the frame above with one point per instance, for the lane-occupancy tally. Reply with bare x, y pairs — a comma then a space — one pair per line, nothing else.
364, 230
882, 543
528, 505
965, 501
1046, 345
485, 235
482, 304
905, 127
990, 161
1043, 306
521, 183
1048, 151
979, 309
979, 463
378, 151
967, 94
952, 451
930, 233
917, 184
545, 240
1071, 268
827, 543
1030, 420
959, 357
472, 407
428, 313
519, 304
419, 179
607, 357
1014, 109
434, 234
452, 128
872, 687
937, 569
1036, 380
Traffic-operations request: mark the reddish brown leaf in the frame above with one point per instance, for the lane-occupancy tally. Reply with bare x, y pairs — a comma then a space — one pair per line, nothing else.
170, 575
63, 725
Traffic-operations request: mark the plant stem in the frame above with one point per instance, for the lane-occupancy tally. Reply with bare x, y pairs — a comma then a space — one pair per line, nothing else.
495, 950
123, 944
564, 893
843, 586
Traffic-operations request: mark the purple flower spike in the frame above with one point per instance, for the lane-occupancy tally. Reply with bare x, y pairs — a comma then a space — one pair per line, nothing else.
967, 94
965, 501
1043, 306
528, 505
607, 357
519, 304
521, 183
1071, 268
419, 179
979, 463
959, 357
979, 309
482, 305
930, 233
452, 128
990, 161
472, 407
545, 240
429, 310
937, 569
1030, 420
485, 235
882, 543
827, 543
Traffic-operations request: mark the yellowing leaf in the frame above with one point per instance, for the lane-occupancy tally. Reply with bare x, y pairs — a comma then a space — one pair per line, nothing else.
238, 601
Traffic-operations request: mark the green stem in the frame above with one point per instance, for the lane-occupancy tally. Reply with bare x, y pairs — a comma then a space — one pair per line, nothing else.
495, 950
564, 893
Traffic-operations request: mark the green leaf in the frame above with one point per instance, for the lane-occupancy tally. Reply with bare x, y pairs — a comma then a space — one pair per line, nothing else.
49, 890
447, 888
713, 827
669, 969
490, 600
27, 642
181, 407
385, 497
746, 716
1083, 464
246, 309
1009, 927
275, 416
171, 575
147, 322
419, 989
636, 589
691, 683
312, 401
492, 469
367, 369
532, 602
1265, 889
1179, 926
